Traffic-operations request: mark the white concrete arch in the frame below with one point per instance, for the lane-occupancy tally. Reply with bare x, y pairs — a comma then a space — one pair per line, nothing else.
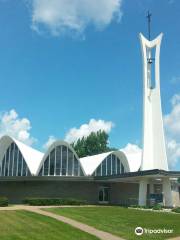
91, 163
53, 146
31, 156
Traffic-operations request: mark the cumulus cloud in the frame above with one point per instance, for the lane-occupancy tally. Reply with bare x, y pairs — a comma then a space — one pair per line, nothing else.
134, 154
172, 130
172, 120
132, 149
85, 129
50, 141
19, 128
73, 16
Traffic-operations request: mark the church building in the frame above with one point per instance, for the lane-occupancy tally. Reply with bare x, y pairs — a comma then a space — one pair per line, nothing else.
114, 177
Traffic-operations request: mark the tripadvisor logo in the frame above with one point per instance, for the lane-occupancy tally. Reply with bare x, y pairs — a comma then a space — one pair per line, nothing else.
139, 231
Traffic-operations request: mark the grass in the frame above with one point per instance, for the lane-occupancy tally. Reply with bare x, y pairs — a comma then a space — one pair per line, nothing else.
23, 225
122, 221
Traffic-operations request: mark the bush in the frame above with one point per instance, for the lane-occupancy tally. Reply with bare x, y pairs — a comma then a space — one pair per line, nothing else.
3, 201
134, 206
176, 210
157, 207
53, 201
142, 207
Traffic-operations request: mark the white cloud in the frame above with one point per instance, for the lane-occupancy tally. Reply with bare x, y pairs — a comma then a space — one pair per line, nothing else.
172, 130
134, 154
19, 128
132, 149
173, 150
172, 120
85, 129
50, 141
73, 16
175, 99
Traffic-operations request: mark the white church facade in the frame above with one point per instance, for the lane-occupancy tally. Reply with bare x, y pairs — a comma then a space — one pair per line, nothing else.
114, 177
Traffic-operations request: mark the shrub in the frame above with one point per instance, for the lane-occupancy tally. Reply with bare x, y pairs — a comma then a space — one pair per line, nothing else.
142, 207
135, 206
53, 201
3, 201
157, 207
146, 207
176, 210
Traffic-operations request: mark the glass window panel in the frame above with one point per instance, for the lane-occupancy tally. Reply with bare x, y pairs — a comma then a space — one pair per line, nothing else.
52, 161
15, 160
7, 162
70, 162
28, 172
3, 165
46, 166
58, 160
104, 167
19, 164
11, 159
106, 194
101, 195
24, 168
122, 168
81, 172
113, 164
40, 173
64, 160
118, 166
109, 165
98, 171
75, 166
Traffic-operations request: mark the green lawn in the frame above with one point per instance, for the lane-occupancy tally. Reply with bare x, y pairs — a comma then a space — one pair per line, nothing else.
122, 221
17, 225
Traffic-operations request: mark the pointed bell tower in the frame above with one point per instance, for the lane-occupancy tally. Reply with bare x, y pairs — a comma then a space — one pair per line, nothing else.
154, 149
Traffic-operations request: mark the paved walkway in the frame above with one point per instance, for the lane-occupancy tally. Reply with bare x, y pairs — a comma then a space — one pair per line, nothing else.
176, 238
83, 227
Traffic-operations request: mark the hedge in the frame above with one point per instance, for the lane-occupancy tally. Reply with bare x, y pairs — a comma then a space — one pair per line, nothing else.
53, 201
157, 207
176, 210
138, 206
3, 201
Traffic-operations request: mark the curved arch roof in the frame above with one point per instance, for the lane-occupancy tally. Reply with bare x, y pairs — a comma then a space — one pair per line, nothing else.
52, 146
134, 157
34, 159
31, 156
91, 163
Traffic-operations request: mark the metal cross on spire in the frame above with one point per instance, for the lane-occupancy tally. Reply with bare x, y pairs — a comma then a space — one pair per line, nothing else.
149, 24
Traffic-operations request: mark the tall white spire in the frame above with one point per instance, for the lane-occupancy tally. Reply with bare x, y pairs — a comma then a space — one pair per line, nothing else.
154, 150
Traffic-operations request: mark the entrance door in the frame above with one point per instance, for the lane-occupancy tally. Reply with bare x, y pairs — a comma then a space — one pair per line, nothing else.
103, 194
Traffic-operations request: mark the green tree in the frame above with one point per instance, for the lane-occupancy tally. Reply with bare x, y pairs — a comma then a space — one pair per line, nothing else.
95, 143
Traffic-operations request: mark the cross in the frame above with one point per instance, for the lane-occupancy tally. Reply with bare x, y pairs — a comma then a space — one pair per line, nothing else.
149, 26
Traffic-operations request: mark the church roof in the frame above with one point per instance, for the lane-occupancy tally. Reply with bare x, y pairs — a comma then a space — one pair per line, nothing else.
91, 163
31, 156
34, 159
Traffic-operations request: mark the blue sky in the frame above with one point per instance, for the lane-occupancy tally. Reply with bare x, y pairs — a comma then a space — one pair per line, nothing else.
58, 78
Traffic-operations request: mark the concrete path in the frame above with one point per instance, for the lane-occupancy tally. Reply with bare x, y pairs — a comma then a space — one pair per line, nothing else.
25, 207
83, 227
176, 238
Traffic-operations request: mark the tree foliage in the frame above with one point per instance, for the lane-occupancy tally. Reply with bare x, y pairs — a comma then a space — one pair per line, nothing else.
95, 143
